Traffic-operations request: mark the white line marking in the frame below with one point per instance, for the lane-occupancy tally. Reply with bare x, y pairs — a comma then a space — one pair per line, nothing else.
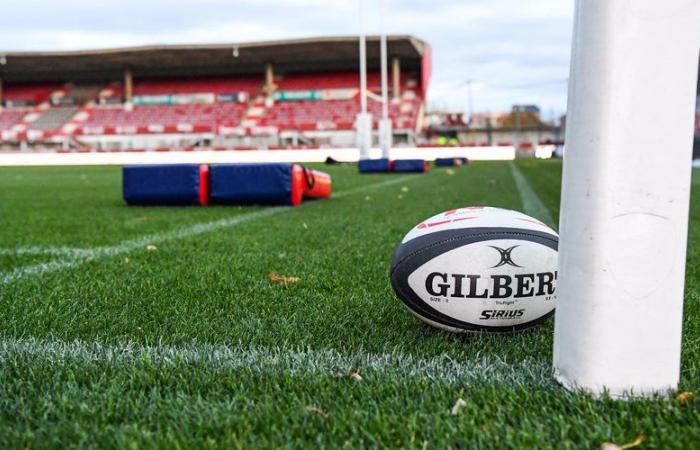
181, 233
37, 250
282, 360
532, 205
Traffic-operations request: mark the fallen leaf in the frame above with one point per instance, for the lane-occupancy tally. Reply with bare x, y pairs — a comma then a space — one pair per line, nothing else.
151, 248
355, 376
404, 189
613, 446
281, 279
459, 404
319, 412
450, 172
367, 198
684, 397
399, 196
306, 227
126, 260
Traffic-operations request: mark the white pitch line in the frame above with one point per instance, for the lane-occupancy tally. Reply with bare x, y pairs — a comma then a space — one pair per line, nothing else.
39, 250
156, 238
532, 205
329, 362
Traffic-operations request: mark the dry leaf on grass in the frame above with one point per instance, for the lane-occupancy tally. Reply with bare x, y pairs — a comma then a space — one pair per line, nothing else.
612, 446
281, 279
404, 189
450, 172
459, 404
306, 227
151, 248
126, 260
355, 376
318, 411
684, 397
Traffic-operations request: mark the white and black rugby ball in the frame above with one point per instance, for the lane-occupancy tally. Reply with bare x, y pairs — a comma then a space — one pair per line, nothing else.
478, 268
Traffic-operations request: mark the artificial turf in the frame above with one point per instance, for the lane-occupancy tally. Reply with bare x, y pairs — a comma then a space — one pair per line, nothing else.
191, 345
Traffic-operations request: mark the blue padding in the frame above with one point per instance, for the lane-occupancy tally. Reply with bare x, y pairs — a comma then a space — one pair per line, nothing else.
251, 184
445, 162
409, 165
161, 184
374, 165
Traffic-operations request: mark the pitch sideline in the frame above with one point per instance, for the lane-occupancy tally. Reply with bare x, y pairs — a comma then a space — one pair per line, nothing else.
78, 258
532, 205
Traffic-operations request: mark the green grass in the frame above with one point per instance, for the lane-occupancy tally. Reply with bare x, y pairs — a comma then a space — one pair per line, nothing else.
191, 346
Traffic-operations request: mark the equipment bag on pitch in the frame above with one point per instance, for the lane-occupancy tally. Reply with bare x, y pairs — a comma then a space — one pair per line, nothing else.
448, 162
410, 166
165, 184
257, 184
382, 165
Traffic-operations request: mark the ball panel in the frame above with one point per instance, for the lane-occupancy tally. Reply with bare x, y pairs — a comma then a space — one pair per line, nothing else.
476, 217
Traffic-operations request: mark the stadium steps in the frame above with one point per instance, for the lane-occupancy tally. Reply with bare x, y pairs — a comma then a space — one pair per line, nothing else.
54, 118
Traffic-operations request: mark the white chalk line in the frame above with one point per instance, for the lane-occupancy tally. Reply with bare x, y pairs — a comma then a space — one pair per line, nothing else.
278, 360
532, 205
78, 258
40, 251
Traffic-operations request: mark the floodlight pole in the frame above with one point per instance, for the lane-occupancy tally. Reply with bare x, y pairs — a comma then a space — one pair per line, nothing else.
385, 132
363, 123
625, 196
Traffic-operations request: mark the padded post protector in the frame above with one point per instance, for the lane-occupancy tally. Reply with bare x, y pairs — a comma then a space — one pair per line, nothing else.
317, 184
447, 162
381, 165
410, 165
256, 184
165, 184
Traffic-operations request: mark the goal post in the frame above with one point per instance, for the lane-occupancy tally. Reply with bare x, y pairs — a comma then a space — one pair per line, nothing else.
363, 121
625, 195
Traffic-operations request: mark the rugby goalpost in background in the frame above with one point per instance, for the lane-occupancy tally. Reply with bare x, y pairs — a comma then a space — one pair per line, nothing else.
625, 195
363, 121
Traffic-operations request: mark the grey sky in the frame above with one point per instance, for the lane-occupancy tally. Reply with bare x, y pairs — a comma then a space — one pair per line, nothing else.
516, 51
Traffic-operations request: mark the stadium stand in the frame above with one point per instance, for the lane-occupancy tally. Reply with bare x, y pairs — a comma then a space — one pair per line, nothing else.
168, 95
27, 94
11, 117
161, 118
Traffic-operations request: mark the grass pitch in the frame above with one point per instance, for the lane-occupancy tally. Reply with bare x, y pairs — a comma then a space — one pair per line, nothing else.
105, 343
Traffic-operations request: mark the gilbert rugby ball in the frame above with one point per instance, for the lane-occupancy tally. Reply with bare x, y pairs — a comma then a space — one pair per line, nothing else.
478, 268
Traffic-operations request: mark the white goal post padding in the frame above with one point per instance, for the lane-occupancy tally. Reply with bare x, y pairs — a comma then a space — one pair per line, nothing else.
625, 195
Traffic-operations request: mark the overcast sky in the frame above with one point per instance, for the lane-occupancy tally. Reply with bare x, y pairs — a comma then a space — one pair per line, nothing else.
516, 51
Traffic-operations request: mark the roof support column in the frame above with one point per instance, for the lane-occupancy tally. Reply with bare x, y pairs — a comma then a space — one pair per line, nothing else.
396, 77
269, 78
128, 87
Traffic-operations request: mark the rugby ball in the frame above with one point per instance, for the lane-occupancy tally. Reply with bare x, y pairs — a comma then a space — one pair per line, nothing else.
478, 268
